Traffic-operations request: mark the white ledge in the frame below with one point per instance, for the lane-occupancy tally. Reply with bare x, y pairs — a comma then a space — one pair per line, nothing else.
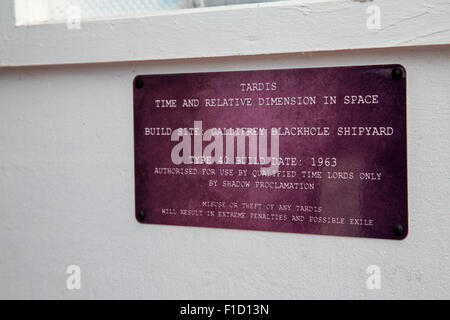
226, 31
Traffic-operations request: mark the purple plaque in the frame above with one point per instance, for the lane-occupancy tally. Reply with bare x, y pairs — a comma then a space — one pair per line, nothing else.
320, 151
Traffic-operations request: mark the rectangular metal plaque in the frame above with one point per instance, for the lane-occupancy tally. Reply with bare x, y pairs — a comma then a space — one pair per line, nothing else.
319, 151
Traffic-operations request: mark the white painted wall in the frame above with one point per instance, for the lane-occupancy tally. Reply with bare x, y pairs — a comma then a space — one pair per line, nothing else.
66, 196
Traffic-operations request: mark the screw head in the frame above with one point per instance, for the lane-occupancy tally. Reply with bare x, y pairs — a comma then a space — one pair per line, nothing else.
398, 229
139, 83
397, 73
141, 215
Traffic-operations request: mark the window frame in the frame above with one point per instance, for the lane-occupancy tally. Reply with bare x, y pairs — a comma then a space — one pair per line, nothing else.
252, 29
